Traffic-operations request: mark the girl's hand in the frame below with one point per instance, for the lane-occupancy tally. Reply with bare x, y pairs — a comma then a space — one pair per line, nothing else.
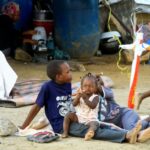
79, 92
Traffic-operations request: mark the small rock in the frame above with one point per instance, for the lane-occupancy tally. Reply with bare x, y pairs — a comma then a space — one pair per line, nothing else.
7, 127
75, 66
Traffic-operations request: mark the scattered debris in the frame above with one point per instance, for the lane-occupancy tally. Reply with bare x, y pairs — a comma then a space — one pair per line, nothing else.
75, 66
128, 56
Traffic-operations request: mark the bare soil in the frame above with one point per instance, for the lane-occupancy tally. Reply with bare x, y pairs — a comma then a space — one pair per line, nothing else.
106, 64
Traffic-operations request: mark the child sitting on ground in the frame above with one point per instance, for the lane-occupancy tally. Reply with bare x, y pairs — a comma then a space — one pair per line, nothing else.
55, 96
86, 105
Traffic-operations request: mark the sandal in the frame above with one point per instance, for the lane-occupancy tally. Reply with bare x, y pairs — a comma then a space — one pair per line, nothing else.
43, 137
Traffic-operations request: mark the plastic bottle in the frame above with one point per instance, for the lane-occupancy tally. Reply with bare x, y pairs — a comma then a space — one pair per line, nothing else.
50, 42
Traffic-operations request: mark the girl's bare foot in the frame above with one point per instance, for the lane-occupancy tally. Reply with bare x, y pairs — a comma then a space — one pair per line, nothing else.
132, 135
144, 135
89, 135
138, 100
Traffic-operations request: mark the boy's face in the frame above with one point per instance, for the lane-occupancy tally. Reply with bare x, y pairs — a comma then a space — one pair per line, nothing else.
65, 76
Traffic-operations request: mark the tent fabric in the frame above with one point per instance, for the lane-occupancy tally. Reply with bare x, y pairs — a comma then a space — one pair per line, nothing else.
6, 83
145, 2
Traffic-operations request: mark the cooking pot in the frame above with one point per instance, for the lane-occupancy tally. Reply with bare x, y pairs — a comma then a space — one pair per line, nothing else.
108, 42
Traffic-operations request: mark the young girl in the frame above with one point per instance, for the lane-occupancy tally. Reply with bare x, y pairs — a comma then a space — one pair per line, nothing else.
86, 105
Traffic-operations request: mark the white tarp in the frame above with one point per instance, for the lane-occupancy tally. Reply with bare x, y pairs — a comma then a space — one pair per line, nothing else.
112, 1
7, 77
144, 2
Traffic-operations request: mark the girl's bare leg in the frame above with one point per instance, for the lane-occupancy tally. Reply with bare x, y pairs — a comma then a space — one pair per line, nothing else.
93, 125
70, 117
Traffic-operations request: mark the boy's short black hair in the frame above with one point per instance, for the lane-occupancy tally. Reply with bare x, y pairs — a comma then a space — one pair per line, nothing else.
53, 68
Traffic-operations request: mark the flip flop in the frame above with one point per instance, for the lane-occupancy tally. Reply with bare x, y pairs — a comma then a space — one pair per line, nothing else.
43, 137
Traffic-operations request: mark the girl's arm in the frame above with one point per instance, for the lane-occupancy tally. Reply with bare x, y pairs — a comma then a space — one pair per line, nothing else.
92, 104
76, 100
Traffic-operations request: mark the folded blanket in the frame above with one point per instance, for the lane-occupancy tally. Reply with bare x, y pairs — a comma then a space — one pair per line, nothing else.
30, 131
42, 125
25, 93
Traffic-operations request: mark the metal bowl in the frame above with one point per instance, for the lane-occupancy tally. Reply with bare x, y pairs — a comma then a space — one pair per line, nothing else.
42, 15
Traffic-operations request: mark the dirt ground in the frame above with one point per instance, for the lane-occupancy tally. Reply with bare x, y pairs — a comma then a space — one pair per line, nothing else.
107, 65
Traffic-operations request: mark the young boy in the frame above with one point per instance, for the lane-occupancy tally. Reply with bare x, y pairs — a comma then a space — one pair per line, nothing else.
55, 95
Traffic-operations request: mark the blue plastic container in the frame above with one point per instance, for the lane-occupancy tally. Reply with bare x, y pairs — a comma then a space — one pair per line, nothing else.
77, 28
26, 7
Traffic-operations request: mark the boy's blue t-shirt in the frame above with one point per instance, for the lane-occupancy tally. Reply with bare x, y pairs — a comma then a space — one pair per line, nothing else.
56, 98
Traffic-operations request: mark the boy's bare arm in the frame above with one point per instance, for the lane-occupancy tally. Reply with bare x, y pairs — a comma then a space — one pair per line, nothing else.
92, 104
33, 112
